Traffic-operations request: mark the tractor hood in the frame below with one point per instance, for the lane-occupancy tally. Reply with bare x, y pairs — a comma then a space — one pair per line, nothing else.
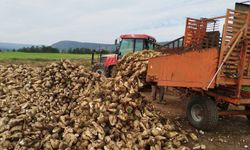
109, 59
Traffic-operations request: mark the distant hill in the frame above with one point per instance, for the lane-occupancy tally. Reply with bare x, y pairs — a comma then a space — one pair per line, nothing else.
62, 45
10, 46
65, 45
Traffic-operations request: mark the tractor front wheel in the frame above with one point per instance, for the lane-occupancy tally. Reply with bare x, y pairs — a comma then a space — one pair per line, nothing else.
99, 68
202, 112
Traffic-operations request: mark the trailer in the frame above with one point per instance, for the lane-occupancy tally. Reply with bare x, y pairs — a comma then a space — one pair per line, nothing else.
215, 69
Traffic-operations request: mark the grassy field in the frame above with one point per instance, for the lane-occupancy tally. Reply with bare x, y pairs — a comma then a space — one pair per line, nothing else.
41, 56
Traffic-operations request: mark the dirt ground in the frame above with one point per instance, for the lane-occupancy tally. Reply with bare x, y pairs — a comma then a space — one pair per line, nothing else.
232, 132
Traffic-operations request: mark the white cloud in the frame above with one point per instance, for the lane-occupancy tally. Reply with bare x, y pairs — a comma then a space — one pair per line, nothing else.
49, 21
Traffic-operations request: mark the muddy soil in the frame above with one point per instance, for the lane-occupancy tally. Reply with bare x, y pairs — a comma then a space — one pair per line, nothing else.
232, 132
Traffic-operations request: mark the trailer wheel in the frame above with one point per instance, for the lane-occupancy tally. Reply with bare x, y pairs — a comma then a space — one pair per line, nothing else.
248, 109
99, 68
202, 112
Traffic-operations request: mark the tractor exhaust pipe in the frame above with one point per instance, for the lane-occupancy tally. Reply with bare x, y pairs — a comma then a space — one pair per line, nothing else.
92, 57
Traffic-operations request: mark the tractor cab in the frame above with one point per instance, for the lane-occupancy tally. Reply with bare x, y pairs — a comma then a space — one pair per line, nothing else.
135, 42
124, 44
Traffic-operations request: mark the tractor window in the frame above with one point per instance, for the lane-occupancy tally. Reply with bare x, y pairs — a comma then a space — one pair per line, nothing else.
150, 45
127, 45
139, 44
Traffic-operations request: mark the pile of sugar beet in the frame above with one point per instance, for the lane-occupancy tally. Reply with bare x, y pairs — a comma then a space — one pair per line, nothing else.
65, 106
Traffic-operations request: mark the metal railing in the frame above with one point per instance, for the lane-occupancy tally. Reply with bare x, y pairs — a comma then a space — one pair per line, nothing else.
175, 44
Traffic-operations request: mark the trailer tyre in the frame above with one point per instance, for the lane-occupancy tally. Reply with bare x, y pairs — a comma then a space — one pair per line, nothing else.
99, 68
248, 109
202, 113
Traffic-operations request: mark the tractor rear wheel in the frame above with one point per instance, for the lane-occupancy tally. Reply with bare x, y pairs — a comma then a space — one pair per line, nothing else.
99, 68
248, 109
202, 112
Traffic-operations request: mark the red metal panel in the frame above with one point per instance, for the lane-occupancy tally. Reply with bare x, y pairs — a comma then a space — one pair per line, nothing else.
190, 69
136, 36
235, 112
111, 59
237, 64
195, 32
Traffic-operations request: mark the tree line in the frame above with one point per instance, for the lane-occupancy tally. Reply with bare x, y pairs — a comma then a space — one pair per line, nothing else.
38, 49
85, 51
49, 49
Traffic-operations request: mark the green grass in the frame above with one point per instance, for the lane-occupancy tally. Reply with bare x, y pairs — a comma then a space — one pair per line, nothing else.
246, 89
41, 56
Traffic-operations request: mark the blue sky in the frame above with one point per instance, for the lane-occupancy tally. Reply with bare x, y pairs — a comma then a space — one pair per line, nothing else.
49, 21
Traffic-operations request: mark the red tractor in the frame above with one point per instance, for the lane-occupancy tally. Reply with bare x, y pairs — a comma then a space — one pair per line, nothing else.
127, 43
